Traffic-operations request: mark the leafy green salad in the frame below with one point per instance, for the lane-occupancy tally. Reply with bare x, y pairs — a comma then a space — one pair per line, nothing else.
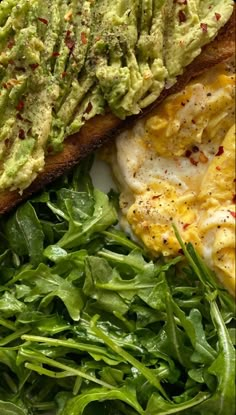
90, 324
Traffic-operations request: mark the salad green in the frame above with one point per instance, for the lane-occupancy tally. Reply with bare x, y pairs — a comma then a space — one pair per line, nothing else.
89, 323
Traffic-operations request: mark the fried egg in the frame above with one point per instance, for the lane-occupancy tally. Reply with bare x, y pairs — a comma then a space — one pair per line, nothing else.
177, 166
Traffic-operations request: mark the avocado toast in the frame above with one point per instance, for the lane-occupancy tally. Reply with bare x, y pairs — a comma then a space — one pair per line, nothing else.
76, 85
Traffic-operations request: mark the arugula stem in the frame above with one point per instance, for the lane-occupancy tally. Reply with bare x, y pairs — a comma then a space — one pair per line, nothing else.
42, 371
51, 362
121, 240
119, 258
17, 334
66, 343
10, 383
8, 324
44, 406
123, 287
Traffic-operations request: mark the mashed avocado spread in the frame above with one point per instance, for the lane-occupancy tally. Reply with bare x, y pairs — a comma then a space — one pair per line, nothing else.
62, 62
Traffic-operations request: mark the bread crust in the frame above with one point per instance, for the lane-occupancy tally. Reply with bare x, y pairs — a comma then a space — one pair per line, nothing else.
103, 128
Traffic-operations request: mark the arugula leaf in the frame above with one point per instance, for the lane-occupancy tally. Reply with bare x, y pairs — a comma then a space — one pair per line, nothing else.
8, 408
177, 346
10, 306
103, 216
204, 352
163, 342
127, 357
97, 269
24, 233
223, 400
157, 405
76, 405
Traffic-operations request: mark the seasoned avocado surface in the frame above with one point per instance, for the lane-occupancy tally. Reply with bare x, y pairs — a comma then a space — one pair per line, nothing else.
62, 62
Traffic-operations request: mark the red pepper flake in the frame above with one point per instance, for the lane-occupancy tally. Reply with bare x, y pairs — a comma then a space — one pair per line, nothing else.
42, 20
217, 16
218, 168
182, 16
204, 27
20, 106
11, 62
194, 162
55, 54
220, 151
11, 43
34, 66
97, 38
186, 225
21, 134
70, 43
234, 198
188, 153
232, 213
83, 38
64, 74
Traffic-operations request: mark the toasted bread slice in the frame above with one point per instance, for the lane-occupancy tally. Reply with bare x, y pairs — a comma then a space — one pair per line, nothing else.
103, 128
